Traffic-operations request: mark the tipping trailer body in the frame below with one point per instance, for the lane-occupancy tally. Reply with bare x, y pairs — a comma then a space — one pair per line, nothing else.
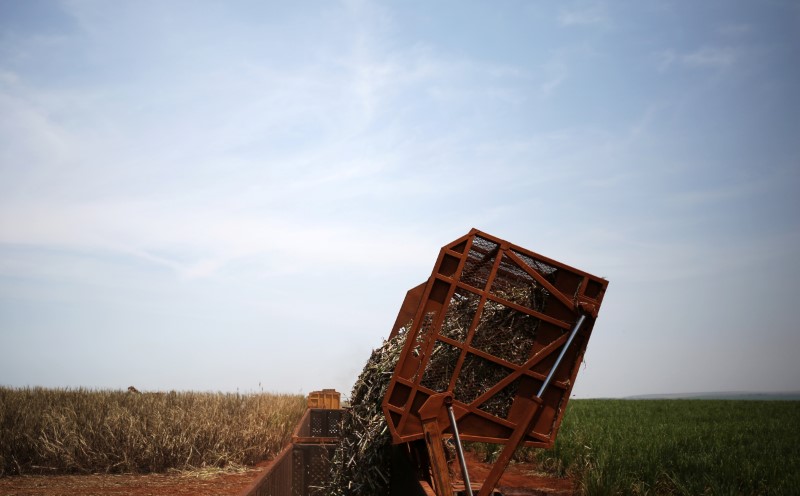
494, 340
493, 343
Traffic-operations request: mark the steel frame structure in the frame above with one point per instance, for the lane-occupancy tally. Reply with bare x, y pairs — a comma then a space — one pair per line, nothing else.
486, 269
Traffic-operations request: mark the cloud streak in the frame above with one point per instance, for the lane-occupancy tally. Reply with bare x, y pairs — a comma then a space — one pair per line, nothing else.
584, 15
707, 57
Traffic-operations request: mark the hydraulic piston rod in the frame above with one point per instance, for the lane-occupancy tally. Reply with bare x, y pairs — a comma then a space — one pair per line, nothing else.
549, 377
448, 401
519, 433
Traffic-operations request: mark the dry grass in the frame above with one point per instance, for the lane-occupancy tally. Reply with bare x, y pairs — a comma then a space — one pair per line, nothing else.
90, 431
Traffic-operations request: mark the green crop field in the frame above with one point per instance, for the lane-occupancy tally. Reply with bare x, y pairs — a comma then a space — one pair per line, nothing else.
677, 447
87, 431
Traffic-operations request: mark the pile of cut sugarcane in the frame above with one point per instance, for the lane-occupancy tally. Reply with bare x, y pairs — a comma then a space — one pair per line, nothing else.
361, 463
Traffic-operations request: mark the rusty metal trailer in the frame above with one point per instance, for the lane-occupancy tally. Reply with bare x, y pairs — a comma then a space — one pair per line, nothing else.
301, 469
493, 343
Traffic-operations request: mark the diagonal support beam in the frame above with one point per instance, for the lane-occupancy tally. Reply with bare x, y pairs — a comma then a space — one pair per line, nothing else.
526, 423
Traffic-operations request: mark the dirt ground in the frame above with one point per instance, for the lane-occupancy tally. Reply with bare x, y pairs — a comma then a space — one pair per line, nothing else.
518, 480
176, 483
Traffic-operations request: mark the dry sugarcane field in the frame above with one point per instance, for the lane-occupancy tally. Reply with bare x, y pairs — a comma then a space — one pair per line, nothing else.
91, 431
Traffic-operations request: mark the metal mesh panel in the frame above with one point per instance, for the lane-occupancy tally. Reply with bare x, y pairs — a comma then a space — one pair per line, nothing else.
318, 470
324, 423
505, 333
477, 376
544, 269
440, 367
512, 283
460, 312
479, 262
423, 332
334, 423
310, 469
500, 403
421, 339
317, 424
298, 472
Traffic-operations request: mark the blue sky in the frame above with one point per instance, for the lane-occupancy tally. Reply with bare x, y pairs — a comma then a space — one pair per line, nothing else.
236, 196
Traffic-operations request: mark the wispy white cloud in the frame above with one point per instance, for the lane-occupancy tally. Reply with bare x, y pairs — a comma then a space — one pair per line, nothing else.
734, 30
284, 143
31, 145
199, 243
719, 193
584, 15
143, 202
707, 57
555, 74
713, 57
8, 77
